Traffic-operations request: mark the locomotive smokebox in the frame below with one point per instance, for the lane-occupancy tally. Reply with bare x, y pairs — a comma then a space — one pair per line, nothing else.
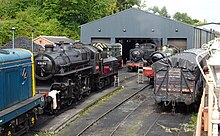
49, 47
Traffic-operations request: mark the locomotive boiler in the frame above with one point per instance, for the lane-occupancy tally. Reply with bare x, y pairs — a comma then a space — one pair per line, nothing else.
141, 53
59, 60
67, 72
163, 52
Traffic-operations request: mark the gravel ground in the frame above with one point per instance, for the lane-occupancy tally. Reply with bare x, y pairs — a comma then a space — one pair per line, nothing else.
81, 122
138, 116
148, 119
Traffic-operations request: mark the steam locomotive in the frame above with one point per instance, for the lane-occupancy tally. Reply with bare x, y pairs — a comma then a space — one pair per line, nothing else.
66, 73
141, 53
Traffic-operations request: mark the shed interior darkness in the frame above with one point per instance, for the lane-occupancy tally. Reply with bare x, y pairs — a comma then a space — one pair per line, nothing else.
129, 43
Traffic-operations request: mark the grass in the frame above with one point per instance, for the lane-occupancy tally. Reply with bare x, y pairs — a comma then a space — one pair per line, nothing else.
190, 127
44, 133
101, 100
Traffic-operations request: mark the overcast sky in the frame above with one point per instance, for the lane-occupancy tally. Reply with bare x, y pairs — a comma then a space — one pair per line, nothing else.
197, 9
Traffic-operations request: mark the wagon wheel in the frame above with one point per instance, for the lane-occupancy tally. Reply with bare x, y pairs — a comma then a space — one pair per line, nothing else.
195, 107
163, 107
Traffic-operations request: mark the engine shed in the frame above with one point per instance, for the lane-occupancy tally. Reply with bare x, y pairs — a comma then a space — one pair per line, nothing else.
133, 26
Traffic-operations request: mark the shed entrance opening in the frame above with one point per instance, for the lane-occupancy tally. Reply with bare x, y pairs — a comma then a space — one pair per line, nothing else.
129, 43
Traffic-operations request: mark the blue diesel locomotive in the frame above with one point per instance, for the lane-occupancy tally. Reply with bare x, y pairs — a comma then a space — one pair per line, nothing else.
19, 104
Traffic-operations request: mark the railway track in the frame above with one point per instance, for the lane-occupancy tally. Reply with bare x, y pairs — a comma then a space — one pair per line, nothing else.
112, 109
54, 123
116, 128
149, 129
126, 114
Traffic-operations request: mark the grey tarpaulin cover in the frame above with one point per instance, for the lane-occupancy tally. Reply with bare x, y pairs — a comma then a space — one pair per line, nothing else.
185, 60
178, 77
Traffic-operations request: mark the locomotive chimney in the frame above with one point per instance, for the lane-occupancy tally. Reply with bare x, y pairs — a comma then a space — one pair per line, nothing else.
60, 43
49, 47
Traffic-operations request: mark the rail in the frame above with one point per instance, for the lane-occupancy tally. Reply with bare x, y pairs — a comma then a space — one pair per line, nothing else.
111, 109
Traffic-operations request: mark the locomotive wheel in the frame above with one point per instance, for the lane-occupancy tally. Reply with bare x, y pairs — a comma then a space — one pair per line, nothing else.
71, 99
101, 84
9, 131
151, 80
88, 92
52, 111
79, 96
69, 102
32, 120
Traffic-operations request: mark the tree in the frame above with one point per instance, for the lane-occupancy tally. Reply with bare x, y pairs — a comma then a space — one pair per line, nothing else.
54, 17
163, 11
126, 4
183, 17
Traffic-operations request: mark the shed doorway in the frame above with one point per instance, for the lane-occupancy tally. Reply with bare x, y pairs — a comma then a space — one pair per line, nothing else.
178, 42
129, 43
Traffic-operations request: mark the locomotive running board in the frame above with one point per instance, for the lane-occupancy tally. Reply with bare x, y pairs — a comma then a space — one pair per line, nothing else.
73, 71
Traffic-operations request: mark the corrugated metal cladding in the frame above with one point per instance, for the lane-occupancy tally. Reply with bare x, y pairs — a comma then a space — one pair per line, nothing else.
134, 25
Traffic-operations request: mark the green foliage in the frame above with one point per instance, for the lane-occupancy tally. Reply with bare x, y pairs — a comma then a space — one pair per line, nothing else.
183, 17
163, 11
44, 133
126, 4
54, 17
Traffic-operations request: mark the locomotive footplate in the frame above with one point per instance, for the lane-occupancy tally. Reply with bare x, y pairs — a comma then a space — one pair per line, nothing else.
74, 71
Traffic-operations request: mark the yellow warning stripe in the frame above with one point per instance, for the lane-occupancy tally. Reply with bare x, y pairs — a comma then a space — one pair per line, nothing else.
33, 72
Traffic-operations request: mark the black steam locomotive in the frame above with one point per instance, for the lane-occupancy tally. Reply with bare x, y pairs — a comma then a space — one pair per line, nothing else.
66, 72
141, 53
149, 53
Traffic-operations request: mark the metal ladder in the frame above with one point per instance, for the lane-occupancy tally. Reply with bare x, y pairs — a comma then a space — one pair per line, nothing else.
116, 81
140, 74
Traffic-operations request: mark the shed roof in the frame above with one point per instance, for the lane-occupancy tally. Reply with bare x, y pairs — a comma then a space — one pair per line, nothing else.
23, 42
210, 26
137, 11
56, 39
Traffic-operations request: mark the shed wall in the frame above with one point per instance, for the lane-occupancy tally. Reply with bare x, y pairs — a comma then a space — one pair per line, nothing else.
135, 23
